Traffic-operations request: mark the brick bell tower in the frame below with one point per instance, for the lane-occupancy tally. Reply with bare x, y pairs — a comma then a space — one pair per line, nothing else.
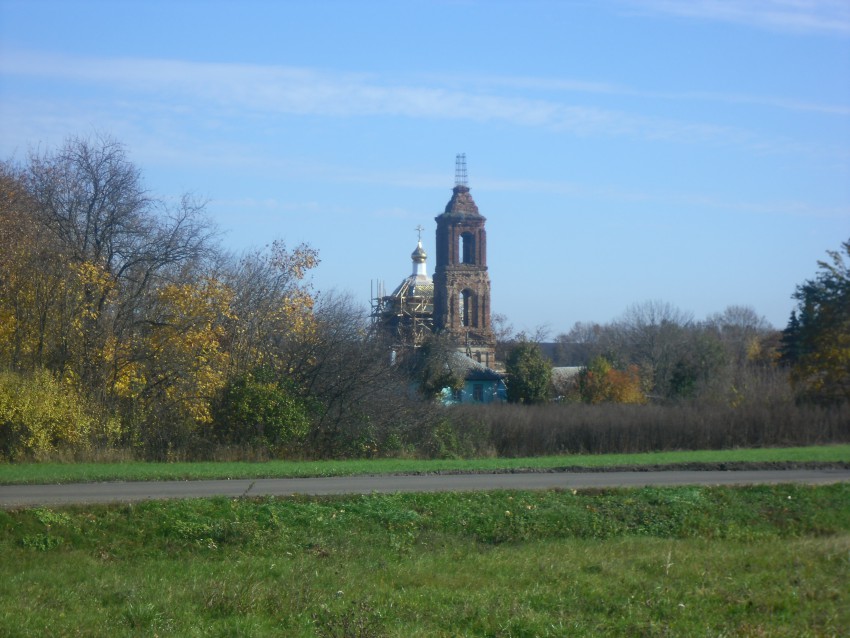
461, 282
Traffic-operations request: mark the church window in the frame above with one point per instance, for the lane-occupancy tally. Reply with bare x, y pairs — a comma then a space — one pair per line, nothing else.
465, 304
467, 248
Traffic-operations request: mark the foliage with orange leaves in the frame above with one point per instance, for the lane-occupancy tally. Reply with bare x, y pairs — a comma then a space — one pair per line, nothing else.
600, 382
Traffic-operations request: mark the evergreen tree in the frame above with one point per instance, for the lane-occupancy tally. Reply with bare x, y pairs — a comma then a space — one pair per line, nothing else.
816, 342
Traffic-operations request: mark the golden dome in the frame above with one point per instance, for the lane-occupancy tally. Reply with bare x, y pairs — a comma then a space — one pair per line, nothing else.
419, 256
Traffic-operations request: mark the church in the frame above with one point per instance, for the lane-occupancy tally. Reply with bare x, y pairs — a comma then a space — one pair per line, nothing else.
456, 301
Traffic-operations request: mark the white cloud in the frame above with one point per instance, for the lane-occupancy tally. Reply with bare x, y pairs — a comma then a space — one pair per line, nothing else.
212, 92
146, 103
601, 88
796, 16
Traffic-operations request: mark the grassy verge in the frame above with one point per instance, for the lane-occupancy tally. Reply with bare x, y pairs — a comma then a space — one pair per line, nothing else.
652, 562
19, 473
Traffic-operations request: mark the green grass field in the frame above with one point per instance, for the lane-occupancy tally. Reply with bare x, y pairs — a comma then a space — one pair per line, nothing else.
755, 561
17, 473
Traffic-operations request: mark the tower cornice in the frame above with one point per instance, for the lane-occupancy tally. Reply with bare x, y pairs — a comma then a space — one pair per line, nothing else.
461, 203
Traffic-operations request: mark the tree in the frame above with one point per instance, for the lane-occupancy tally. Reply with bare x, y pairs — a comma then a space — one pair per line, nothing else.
653, 336
735, 357
358, 399
103, 285
274, 303
698, 368
185, 362
578, 346
816, 342
529, 373
34, 279
117, 245
435, 366
128, 301
741, 329
503, 333
600, 382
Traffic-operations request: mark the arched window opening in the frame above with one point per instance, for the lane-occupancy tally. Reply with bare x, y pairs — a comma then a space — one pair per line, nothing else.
466, 302
467, 248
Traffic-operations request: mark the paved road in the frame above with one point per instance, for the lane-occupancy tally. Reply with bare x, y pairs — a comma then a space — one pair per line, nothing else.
117, 492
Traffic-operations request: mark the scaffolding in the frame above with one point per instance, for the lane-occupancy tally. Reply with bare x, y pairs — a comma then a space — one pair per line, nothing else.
406, 315
460, 170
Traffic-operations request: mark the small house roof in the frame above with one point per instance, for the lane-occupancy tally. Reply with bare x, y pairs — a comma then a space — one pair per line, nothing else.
473, 370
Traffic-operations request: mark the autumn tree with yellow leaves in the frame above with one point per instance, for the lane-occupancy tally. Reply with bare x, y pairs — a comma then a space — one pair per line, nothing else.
35, 283
273, 303
124, 306
103, 286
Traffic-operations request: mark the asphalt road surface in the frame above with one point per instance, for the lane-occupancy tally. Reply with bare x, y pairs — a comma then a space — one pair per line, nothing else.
125, 492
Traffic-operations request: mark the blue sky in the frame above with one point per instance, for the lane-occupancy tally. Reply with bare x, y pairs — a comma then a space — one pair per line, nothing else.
693, 152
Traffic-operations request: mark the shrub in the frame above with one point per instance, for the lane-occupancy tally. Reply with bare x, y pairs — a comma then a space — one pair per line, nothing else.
40, 415
577, 428
257, 408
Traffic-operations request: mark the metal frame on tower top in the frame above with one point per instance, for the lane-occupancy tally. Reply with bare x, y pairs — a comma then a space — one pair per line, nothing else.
460, 170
